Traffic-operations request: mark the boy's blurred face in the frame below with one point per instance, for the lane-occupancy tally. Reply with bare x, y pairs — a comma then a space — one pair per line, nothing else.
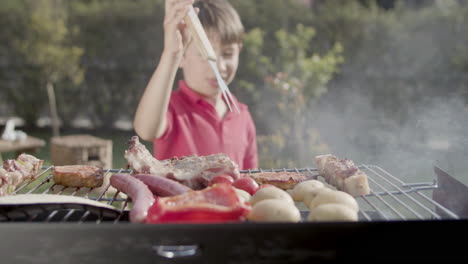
198, 73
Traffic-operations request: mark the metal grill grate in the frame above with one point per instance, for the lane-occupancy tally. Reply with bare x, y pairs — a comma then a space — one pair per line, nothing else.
390, 198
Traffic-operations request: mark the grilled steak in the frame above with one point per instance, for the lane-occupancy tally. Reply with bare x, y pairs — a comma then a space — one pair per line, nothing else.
283, 180
194, 171
78, 176
343, 174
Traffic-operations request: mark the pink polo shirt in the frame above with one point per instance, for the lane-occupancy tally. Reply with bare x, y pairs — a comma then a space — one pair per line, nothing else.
193, 127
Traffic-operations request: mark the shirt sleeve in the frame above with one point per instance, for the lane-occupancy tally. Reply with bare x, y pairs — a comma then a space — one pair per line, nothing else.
251, 156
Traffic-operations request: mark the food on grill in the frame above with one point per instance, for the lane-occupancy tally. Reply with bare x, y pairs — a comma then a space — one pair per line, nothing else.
161, 186
27, 165
243, 195
343, 174
15, 172
223, 178
218, 203
5, 186
311, 193
78, 176
266, 185
332, 212
283, 180
270, 193
356, 184
302, 188
274, 210
32, 164
21, 173
141, 195
332, 196
194, 171
247, 184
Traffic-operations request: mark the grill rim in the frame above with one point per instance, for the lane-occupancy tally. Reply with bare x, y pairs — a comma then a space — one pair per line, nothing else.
297, 242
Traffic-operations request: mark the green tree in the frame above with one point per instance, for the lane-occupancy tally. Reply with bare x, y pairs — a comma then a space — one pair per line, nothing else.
296, 77
123, 41
46, 58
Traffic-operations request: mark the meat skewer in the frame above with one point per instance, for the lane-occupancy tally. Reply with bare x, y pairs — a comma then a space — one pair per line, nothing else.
15, 172
343, 174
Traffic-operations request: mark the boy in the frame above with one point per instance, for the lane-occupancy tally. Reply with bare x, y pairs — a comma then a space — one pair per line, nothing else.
195, 119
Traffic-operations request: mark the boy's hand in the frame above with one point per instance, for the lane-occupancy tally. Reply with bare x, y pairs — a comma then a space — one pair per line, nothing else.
176, 38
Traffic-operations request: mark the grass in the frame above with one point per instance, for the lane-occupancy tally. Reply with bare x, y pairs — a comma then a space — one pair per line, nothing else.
119, 144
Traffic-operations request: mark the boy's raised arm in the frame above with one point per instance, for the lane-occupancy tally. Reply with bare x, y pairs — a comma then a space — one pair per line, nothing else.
150, 117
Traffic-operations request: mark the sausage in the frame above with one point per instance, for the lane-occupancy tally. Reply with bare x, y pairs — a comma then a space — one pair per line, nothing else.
162, 186
140, 194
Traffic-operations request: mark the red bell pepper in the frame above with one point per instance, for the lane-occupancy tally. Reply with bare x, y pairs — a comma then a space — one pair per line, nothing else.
218, 203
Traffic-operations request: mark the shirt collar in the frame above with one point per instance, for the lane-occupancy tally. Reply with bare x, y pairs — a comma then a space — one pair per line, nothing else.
190, 94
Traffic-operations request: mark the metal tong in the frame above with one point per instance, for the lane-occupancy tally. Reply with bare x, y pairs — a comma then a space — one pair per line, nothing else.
208, 53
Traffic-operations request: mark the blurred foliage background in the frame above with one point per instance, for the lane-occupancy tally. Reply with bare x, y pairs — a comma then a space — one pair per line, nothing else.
304, 64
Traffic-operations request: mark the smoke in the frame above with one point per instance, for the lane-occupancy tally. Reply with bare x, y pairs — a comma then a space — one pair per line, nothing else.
398, 101
434, 133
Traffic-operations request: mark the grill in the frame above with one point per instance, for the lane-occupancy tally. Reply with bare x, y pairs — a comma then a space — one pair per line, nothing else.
390, 199
397, 221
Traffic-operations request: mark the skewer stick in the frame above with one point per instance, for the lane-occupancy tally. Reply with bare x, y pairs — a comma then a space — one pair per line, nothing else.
208, 53
224, 89
199, 35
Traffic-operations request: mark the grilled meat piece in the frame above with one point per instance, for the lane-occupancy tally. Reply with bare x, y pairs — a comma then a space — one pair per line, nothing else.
28, 166
9, 181
34, 164
13, 165
283, 180
356, 184
14, 172
343, 174
78, 176
193, 171
5, 186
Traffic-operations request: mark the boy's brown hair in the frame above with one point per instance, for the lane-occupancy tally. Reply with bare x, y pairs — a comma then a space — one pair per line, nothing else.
220, 17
